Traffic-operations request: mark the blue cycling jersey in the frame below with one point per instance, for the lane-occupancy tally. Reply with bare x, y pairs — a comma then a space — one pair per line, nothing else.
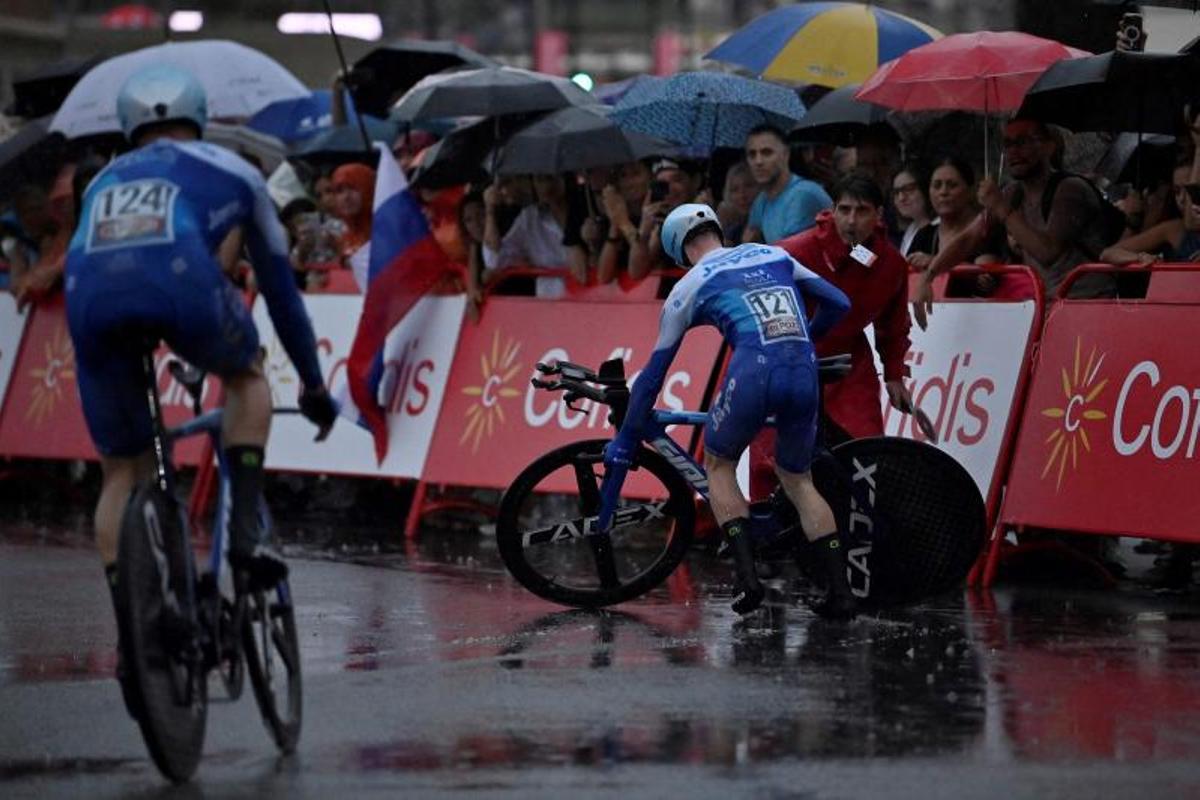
754, 294
166, 207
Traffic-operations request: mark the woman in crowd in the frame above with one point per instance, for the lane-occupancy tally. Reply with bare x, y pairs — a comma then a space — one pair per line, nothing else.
535, 239
952, 195
911, 202
354, 190
622, 201
471, 216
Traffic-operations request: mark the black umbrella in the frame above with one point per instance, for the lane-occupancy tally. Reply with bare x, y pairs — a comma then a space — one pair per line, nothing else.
487, 92
42, 91
1116, 91
387, 72
462, 155
344, 143
575, 138
31, 154
839, 118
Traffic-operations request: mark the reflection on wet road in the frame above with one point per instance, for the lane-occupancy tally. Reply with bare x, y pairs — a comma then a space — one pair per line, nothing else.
429, 671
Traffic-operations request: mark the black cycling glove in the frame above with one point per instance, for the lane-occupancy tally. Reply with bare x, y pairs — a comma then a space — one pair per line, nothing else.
318, 408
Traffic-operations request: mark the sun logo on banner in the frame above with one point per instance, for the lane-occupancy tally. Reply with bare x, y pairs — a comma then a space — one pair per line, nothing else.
1080, 389
58, 368
498, 367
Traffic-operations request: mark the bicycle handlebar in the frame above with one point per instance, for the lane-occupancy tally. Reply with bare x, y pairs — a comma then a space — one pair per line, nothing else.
612, 391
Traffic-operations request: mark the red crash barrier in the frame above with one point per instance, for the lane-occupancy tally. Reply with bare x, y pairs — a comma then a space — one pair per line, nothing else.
493, 423
1108, 439
42, 417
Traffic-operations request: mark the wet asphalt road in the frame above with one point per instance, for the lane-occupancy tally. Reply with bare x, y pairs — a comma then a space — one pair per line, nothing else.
429, 673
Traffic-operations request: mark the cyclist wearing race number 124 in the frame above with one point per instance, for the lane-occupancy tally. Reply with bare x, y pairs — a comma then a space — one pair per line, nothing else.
755, 295
141, 264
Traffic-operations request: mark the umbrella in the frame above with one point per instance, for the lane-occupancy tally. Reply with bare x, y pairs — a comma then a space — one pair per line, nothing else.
386, 72
237, 79
297, 118
1116, 91
268, 150
574, 138
27, 153
344, 143
984, 72
611, 93
839, 117
463, 155
829, 44
487, 92
707, 109
42, 91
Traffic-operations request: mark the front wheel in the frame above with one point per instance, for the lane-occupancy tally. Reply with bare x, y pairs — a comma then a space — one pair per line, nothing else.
272, 655
165, 668
545, 529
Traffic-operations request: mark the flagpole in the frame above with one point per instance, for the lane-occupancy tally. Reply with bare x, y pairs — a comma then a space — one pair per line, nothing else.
337, 45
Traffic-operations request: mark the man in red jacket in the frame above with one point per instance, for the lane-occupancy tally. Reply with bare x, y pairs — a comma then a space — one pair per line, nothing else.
849, 247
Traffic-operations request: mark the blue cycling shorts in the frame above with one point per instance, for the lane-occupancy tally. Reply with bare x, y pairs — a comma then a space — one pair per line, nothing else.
115, 301
755, 388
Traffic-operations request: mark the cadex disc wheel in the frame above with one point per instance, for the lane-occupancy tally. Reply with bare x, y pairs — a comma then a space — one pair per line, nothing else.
545, 529
272, 655
168, 680
924, 522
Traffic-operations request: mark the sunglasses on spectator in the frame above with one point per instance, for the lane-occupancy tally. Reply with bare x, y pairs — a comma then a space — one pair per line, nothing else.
905, 188
1020, 141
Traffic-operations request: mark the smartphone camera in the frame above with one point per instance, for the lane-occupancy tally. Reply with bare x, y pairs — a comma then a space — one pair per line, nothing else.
658, 191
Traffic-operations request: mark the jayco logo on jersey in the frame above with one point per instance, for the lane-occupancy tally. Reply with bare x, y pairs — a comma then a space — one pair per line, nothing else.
735, 257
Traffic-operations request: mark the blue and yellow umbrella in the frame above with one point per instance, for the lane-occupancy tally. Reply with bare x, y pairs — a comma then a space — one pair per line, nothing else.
830, 44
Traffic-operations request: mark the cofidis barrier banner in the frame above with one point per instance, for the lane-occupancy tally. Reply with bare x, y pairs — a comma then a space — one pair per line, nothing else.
494, 423
1108, 443
417, 363
42, 416
966, 367
12, 325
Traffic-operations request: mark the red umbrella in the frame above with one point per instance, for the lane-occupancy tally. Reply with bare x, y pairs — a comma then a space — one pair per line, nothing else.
131, 17
986, 72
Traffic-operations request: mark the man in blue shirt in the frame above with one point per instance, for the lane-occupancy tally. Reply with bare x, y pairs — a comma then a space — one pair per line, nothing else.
786, 203
142, 264
755, 295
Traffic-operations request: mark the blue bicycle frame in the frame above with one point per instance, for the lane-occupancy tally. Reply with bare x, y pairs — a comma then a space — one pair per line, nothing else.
209, 423
656, 436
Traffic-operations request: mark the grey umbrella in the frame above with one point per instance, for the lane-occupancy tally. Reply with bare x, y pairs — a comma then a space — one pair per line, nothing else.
575, 138
487, 92
386, 72
839, 118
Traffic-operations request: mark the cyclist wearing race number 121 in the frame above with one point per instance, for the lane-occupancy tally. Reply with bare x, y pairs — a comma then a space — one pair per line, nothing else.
755, 295
141, 264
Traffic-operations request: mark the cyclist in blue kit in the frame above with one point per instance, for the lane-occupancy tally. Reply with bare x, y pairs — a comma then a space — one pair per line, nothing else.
755, 295
141, 267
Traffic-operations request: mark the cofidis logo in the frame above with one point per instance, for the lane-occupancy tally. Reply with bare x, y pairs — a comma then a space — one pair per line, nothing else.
498, 366
1082, 388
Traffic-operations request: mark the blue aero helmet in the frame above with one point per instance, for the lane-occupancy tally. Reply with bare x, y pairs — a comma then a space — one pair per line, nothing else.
161, 93
680, 223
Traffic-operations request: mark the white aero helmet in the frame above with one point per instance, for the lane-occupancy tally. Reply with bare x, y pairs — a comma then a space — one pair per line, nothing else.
680, 223
161, 93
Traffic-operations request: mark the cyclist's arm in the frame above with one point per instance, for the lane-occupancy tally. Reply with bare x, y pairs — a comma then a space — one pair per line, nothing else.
832, 302
267, 243
673, 323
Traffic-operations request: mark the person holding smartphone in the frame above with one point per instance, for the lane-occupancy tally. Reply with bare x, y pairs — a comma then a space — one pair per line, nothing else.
674, 183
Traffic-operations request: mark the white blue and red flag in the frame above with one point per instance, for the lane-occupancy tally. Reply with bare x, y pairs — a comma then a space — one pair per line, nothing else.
405, 263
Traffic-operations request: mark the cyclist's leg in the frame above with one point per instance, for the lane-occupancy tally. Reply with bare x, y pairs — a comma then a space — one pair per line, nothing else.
795, 403
737, 414
215, 331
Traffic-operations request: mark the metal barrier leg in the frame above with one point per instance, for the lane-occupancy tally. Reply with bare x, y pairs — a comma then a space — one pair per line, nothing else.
415, 511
